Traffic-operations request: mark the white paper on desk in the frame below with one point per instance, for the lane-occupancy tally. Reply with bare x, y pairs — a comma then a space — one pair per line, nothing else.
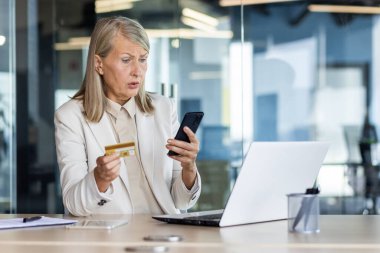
44, 221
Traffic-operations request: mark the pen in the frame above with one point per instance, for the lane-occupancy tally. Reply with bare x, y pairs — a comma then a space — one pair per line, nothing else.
313, 190
305, 208
30, 219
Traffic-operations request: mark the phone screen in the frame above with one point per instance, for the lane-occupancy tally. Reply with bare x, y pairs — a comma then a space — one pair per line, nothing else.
192, 121
97, 224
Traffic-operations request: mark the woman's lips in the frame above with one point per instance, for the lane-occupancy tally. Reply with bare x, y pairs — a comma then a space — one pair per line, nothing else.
133, 85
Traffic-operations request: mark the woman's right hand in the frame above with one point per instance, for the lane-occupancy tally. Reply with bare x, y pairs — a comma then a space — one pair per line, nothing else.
107, 169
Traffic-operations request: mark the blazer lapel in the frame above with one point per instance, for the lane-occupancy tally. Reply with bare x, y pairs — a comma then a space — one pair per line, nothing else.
145, 133
103, 132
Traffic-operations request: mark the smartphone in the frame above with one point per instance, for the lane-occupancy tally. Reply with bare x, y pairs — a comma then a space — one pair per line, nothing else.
192, 121
97, 224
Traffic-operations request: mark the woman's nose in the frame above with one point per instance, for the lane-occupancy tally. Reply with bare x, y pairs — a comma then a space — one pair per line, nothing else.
136, 69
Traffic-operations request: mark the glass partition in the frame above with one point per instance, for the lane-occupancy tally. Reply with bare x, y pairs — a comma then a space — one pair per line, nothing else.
7, 107
280, 71
209, 80
314, 78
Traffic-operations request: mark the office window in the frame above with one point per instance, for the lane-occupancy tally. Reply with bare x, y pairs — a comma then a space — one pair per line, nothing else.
314, 78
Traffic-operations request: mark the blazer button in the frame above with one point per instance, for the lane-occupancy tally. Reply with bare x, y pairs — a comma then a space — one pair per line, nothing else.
102, 202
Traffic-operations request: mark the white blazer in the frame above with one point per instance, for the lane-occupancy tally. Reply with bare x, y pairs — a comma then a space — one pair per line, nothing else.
80, 142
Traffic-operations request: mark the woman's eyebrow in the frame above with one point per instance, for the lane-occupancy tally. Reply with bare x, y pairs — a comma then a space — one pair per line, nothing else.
122, 53
131, 55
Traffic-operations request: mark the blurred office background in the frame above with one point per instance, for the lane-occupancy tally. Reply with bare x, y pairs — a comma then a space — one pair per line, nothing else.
261, 70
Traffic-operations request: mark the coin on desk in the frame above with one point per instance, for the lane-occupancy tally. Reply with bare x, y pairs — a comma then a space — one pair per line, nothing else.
147, 249
163, 238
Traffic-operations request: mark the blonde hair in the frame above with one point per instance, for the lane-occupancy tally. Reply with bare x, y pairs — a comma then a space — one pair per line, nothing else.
92, 91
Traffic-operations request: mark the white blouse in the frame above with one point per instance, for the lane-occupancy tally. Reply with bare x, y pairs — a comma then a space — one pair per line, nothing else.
125, 130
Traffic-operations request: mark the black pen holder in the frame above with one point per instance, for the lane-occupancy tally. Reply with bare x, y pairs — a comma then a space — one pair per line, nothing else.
303, 213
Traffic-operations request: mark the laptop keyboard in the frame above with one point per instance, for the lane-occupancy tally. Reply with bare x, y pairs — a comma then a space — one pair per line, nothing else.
206, 217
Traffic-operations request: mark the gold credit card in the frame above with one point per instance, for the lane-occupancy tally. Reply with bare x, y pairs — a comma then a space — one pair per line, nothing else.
122, 149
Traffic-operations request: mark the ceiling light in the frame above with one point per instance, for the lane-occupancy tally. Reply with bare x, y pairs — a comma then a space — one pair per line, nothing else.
79, 43
2, 40
188, 33
61, 46
74, 43
199, 16
249, 2
344, 9
103, 6
197, 24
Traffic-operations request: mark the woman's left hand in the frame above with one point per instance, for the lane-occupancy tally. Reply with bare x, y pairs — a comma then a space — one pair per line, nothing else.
187, 155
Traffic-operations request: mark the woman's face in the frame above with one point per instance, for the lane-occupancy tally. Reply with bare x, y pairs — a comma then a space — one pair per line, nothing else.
123, 69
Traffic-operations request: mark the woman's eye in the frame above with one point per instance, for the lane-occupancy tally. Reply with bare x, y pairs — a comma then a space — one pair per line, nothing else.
143, 60
126, 60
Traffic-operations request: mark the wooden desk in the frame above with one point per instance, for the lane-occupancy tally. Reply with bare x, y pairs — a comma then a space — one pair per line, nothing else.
338, 234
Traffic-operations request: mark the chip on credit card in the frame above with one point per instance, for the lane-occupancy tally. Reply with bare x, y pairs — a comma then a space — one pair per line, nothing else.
122, 149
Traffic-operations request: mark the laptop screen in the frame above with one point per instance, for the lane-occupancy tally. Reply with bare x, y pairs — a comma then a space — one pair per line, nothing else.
270, 171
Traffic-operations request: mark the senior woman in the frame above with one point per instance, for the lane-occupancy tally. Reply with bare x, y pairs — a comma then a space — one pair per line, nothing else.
113, 107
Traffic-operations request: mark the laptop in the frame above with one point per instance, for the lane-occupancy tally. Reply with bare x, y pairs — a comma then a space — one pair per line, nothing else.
270, 171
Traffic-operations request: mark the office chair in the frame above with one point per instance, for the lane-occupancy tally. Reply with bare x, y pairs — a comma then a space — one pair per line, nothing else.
352, 135
368, 144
